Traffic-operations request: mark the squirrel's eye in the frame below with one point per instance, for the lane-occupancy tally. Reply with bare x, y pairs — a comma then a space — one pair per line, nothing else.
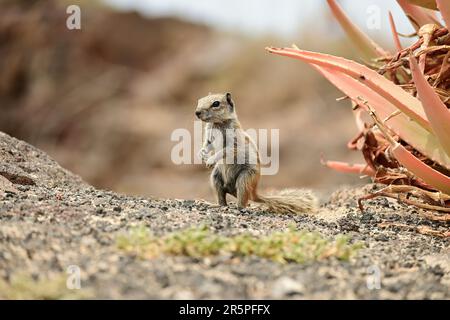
215, 104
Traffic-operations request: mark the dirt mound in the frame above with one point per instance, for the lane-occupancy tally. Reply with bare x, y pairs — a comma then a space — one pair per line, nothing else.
51, 222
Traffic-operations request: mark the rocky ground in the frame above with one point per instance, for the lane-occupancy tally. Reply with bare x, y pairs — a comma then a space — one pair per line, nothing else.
50, 219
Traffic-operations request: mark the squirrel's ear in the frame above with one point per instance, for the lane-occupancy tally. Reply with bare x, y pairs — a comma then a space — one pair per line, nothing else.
229, 100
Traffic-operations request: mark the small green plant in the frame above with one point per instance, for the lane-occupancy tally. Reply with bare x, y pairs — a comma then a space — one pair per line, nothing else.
282, 246
22, 286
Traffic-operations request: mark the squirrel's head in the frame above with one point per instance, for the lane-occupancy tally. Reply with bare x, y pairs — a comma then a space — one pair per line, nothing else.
216, 108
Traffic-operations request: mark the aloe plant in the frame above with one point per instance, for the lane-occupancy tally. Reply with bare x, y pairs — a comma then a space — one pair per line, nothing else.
407, 95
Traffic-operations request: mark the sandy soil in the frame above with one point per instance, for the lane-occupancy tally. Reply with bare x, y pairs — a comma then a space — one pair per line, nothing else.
50, 219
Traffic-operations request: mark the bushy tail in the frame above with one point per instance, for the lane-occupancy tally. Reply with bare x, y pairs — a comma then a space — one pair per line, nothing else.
290, 201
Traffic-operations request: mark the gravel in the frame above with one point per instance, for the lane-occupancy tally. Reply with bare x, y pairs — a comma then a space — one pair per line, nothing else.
50, 219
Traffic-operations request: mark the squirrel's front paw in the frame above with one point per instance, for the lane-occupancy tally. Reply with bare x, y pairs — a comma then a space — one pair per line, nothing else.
203, 154
210, 162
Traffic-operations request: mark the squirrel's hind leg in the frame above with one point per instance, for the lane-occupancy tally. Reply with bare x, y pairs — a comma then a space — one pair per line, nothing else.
218, 186
246, 184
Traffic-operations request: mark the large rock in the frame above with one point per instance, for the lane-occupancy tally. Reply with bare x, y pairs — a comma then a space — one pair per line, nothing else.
23, 164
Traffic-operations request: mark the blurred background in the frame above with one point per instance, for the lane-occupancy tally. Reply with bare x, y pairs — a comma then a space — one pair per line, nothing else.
104, 100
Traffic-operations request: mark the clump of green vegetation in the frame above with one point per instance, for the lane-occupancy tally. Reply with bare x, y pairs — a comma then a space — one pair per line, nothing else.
282, 246
23, 287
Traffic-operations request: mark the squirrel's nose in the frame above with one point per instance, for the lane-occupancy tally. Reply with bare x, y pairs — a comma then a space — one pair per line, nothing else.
198, 113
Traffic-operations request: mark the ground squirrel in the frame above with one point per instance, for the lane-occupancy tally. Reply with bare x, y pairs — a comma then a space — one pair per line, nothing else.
234, 157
